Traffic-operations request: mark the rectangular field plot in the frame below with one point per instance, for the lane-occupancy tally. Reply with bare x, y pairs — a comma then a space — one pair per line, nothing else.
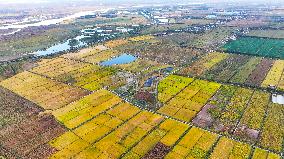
230, 149
45, 92
227, 107
166, 134
28, 139
187, 103
264, 47
204, 64
259, 73
88, 76
263, 154
245, 114
57, 67
93, 56
226, 69
244, 71
85, 109
14, 108
115, 43
272, 135
170, 86
107, 137
195, 144
238, 69
274, 75
267, 33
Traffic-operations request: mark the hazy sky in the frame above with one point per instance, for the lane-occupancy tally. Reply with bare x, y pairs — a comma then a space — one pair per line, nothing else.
143, 1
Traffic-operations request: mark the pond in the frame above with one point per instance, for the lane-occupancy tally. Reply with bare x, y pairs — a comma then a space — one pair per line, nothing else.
122, 59
65, 46
149, 81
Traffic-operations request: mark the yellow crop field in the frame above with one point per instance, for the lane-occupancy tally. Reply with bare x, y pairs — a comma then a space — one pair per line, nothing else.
227, 148
142, 38
77, 73
195, 144
274, 75
172, 85
45, 92
263, 154
187, 103
115, 43
85, 109
125, 131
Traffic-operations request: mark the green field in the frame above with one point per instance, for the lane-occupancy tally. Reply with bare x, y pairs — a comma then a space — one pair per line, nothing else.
264, 47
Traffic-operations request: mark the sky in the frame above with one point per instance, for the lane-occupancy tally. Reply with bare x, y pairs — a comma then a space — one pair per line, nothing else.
125, 1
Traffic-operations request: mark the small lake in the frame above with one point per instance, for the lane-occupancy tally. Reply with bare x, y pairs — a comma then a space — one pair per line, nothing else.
65, 46
122, 59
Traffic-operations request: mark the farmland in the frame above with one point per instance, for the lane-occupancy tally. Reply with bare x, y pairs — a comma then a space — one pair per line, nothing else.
18, 117
183, 81
98, 125
161, 49
229, 110
188, 101
87, 76
43, 90
237, 69
132, 134
263, 47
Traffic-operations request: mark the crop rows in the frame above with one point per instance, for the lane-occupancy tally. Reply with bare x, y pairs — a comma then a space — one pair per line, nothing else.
274, 75
101, 125
195, 144
131, 134
264, 47
238, 69
171, 86
87, 76
232, 111
272, 135
244, 72
228, 148
186, 104
241, 113
204, 64
224, 70
84, 109
258, 75
43, 91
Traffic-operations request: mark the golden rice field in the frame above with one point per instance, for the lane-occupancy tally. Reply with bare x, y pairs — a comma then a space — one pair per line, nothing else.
43, 91
217, 107
102, 125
